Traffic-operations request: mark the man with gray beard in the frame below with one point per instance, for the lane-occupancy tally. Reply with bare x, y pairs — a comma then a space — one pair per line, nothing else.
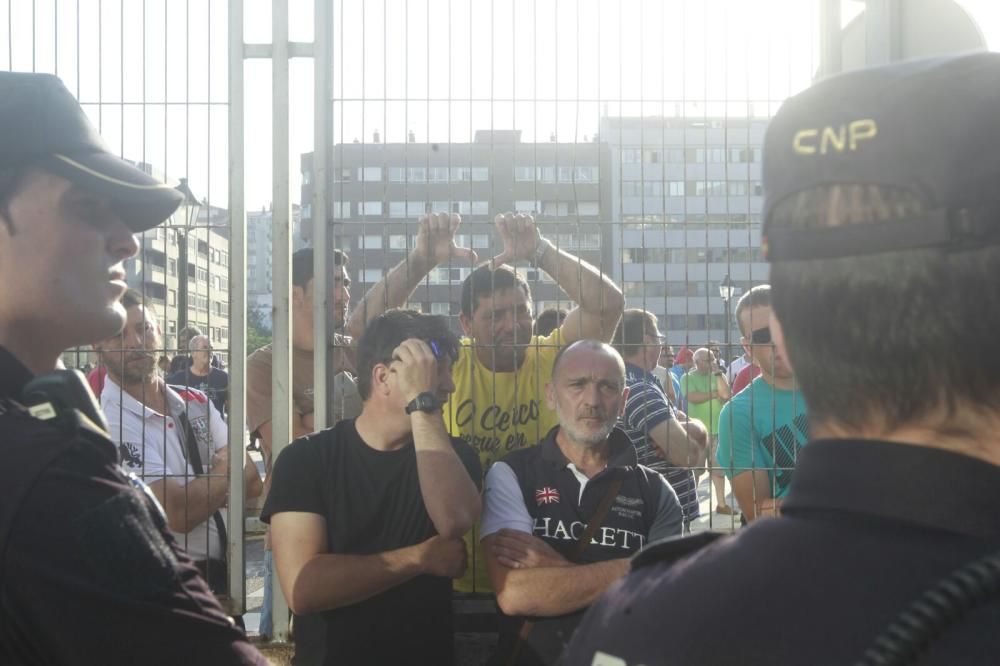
562, 519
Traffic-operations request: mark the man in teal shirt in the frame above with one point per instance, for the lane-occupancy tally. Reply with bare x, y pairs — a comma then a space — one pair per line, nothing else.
705, 390
763, 427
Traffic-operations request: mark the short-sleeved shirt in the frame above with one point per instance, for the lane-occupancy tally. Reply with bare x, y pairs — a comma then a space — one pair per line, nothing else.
743, 378
90, 572
371, 503
151, 446
496, 413
345, 402
707, 412
540, 492
763, 428
215, 384
647, 407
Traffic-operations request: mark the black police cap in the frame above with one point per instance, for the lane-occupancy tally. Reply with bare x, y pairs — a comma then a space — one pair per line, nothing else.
42, 125
929, 126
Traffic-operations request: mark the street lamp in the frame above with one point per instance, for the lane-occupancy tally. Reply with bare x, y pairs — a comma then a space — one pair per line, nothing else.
726, 293
183, 221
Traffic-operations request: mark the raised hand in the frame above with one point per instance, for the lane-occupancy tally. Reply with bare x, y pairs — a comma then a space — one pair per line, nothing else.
436, 240
520, 236
416, 368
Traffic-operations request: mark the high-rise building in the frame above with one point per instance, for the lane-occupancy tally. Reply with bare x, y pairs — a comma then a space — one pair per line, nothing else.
380, 190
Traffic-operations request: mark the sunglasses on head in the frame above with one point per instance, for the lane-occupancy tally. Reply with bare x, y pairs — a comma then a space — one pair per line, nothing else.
761, 336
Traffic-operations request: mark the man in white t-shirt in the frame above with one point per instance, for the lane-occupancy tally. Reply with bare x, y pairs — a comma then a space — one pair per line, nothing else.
177, 442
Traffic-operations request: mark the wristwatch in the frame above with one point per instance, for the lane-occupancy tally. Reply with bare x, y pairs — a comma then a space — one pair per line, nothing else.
425, 402
541, 249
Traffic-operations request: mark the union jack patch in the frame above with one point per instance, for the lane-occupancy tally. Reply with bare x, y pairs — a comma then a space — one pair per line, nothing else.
547, 495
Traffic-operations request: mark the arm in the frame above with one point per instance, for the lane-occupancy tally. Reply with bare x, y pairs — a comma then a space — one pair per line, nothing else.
435, 245
678, 445
314, 580
753, 491
722, 386
449, 493
301, 426
537, 581
601, 302
190, 505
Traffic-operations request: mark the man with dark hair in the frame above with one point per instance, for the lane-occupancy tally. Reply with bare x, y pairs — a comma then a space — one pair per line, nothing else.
549, 320
90, 572
175, 440
368, 516
343, 401
182, 360
561, 519
762, 429
660, 437
498, 405
881, 222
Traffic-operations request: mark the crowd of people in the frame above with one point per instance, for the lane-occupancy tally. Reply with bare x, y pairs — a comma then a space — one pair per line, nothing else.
550, 462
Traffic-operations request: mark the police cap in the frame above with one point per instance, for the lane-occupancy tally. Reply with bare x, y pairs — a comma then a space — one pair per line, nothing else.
930, 126
42, 125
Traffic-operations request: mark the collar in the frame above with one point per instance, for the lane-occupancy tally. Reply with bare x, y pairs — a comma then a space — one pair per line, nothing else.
119, 398
634, 372
622, 452
14, 375
928, 487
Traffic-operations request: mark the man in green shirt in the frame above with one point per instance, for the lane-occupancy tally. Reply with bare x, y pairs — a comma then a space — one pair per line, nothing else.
705, 388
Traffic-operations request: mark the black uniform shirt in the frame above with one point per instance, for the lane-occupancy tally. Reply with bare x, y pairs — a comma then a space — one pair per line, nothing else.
867, 527
90, 575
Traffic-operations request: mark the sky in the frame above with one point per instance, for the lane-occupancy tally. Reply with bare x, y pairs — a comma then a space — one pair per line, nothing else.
153, 74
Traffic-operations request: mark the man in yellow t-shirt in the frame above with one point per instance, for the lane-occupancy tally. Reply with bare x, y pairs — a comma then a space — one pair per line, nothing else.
499, 401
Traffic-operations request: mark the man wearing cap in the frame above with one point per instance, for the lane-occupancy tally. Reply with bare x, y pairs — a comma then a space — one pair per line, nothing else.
90, 572
882, 222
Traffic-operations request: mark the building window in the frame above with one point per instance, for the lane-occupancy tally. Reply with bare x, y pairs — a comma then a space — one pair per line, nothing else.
417, 175
370, 242
397, 175
480, 241
547, 174
480, 207
416, 208
371, 275
440, 206
460, 174
171, 266
524, 174
441, 308
397, 242
631, 155
307, 177
371, 208
480, 174
344, 175
716, 155
341, 210
652, 157
675, 188
737, 188
397, 209
437, 175
370, 174
675, 155
590, 208
527, 206
172, 297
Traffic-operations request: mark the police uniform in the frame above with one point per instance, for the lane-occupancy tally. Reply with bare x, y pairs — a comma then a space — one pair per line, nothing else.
885, 552
89, 573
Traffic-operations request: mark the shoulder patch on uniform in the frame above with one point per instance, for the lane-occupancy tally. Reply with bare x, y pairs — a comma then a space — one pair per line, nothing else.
124, 550
189, 394
668, 551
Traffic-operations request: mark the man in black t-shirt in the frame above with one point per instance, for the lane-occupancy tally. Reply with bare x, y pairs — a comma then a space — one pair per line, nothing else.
202, 376
367, 517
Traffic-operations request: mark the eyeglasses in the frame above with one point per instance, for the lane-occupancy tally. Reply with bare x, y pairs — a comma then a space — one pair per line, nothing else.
761, 336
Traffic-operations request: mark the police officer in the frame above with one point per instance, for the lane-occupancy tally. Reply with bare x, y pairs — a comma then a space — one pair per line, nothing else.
882, 223
89, 572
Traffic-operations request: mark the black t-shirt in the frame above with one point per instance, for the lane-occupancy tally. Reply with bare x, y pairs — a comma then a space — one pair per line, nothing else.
90, 573
215, 384
372, 503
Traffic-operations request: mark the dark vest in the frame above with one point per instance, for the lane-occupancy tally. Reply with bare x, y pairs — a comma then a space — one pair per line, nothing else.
551, 494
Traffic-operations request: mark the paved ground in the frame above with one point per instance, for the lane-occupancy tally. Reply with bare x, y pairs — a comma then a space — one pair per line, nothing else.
472, 649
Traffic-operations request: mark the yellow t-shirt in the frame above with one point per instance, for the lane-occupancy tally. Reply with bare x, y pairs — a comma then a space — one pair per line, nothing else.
496, 413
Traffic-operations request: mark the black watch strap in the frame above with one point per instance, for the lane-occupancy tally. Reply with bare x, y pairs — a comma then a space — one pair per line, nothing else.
425, 402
